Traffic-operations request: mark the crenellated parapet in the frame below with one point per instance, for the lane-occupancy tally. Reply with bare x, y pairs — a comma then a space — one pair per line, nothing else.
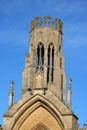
84, 127
46, 21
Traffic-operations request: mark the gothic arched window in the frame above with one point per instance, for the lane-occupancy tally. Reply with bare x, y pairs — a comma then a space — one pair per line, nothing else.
50, 62
40, 57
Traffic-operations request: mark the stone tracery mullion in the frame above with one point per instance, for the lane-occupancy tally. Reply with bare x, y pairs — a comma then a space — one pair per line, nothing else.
50, 63
40, 55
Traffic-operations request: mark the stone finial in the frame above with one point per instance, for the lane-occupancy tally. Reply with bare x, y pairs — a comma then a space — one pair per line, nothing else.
70, 82
11, 93
77, 127
85, 126
1, 127
69, 92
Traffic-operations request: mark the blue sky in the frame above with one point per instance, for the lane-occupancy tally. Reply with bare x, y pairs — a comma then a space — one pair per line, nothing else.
15, 17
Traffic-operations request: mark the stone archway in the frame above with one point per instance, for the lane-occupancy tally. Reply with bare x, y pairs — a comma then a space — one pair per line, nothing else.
31, 113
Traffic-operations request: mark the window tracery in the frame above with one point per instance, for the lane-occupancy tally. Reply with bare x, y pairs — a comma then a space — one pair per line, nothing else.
40, 57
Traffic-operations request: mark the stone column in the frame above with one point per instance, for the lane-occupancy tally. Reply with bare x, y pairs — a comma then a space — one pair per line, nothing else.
50, 67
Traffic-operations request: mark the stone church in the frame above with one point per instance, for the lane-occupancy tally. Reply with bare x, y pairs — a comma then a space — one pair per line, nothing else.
44, 102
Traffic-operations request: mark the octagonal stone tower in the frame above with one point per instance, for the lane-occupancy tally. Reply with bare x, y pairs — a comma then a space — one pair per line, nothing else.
44, 67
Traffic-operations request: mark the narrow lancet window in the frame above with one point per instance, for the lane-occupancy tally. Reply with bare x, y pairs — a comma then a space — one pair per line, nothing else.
40, 57
50, 67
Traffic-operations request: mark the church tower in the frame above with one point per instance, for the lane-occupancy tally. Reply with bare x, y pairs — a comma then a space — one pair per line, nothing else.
42, 105
44, 67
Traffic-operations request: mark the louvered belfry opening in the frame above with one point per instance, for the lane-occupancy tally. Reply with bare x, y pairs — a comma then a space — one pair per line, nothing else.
40, 57
50, 66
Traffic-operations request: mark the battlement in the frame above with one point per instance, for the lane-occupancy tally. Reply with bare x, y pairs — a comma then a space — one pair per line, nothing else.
46, 21
84, 127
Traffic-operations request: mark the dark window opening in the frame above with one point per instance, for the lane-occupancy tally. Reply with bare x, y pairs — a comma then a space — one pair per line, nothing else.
50, 63
40, 57
60, 62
